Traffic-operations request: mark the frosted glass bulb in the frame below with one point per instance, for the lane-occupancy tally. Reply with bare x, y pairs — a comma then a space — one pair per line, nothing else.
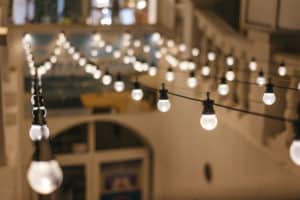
192, 82
146, 48
170, 76
53, 59
155, 37
106, 79
170, 43
137, 94
101, 44
269, 98
195, 52
152, 71
67, 45
145, 67
230, 60
182, 47
230, 75
96, 37
36, 132
260, 80
158, 55
136, 43
27, 39
295, 152
211, 56
137, 66
184, 65
76, 56
223, 89
108, 49
141, 4
205, 70
97, 74
298, 86
94, 52
163, 105
282, 70
191, 65
208, 121
117, 54
44, 177
119, 86
82, 61
171, 60
57, 51
252, 65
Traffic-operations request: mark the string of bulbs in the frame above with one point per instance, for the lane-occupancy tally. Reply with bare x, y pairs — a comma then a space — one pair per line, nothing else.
45, 175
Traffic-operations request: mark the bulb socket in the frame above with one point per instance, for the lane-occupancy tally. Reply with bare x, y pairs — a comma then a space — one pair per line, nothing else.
42, 150
119, 77
192, 74
163, 93
208, 106
223, 80
136, 85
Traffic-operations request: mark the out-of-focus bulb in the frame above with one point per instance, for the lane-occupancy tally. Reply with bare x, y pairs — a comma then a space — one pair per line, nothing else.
223, 88
27, 38
253, 65
211, 56
230, 60
171, 60
130, 52
141, 4
119, 84
163, 103
71, 50
97, 73
184, 65
295, 151
101, 44
67, 45
94, 52
170, 75
108, 48
44, 177
76, 56
53, 59
158, 54
137, 93
106, 78
37, 131
82, 61
170, 43
208, 119
269, 97
282, 69
192, 80
261, 80
195, 52
137, 43
57, 51
205, 70
146, 48
96, 37
191, 65
298, 86
230, 75
117, 54
152, 71
155, 37
182, 47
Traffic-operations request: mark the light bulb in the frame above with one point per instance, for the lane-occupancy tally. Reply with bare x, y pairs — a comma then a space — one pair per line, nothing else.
170, 43
208, 119
145, 66
57, 51
155, 37
230, 60
27, 39
108, 48
130, 52
96, 37
48, 65
205, 70
97, 74
170, 75
195, 52
211, 56
295, 151
37, 131
119, 85
101, 44
137, 43
163, 103
269, 97
182, 47
261, 80
230, 75
106, 78
253, 65
82, 61
137, 93
44, 177
141, 4
94, 52
53, 59
184, 65
152, 71
137, 66
146, 48
298, 86
76, 56
158, 54
67, 45
191, 65
192, 80
171, 60
223, 87
282, 69
117, 54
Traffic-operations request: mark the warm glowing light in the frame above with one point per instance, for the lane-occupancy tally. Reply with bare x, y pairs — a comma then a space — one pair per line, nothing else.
261, 80
182, 47
192, 80
163, 103
169, 76
208, 119
195, 52
230, 60
230, 75
223, 88
211, 56
253, 65
269, 97
141, 4
205, 70
282, 69
295, 151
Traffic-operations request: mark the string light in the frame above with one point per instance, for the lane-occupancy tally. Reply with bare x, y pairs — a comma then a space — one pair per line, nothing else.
230, 60
76, 56
119, 84
155, 37
170, 76
252, 64
117, 54
230, 75
53, 59
223, 87
82, 61
108, 48
195, 52
182, 47
94, 52
282, 69
208, 119
205, 70
211, 56
152, 70
184, 65
137, 93
261, 80
192, 80
163, 103
295, 150
170, 43
137, 43
106, 78
269, 97
146, 48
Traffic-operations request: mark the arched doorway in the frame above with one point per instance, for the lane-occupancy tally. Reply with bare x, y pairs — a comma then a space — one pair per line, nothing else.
103, 160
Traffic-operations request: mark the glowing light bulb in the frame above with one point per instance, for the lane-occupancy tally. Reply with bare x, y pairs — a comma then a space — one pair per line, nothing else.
137, 43
163, 103
94, 52
170, 43
205, 70
295, 151
82, 61
53, 59
211, 56
230, 60
171, 60
145, 66
182, 47
192, 80
44, 177
76, 56
106, 78
117, 54
282, 69
137, 66
261, 80
208, 119
195, 52
184, 65
269, 97
191, 65
158, 54
108, 48
97, 73
130, 52
253, 65
152, 70
71, 50
27, 38
67, 45
48, 65
155, 37
170, 75
298, 86
230, 75
119, 85
57, 51
96, 37
101, 44
146, 48
37, 132
137, 93
141, 4
223, 88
